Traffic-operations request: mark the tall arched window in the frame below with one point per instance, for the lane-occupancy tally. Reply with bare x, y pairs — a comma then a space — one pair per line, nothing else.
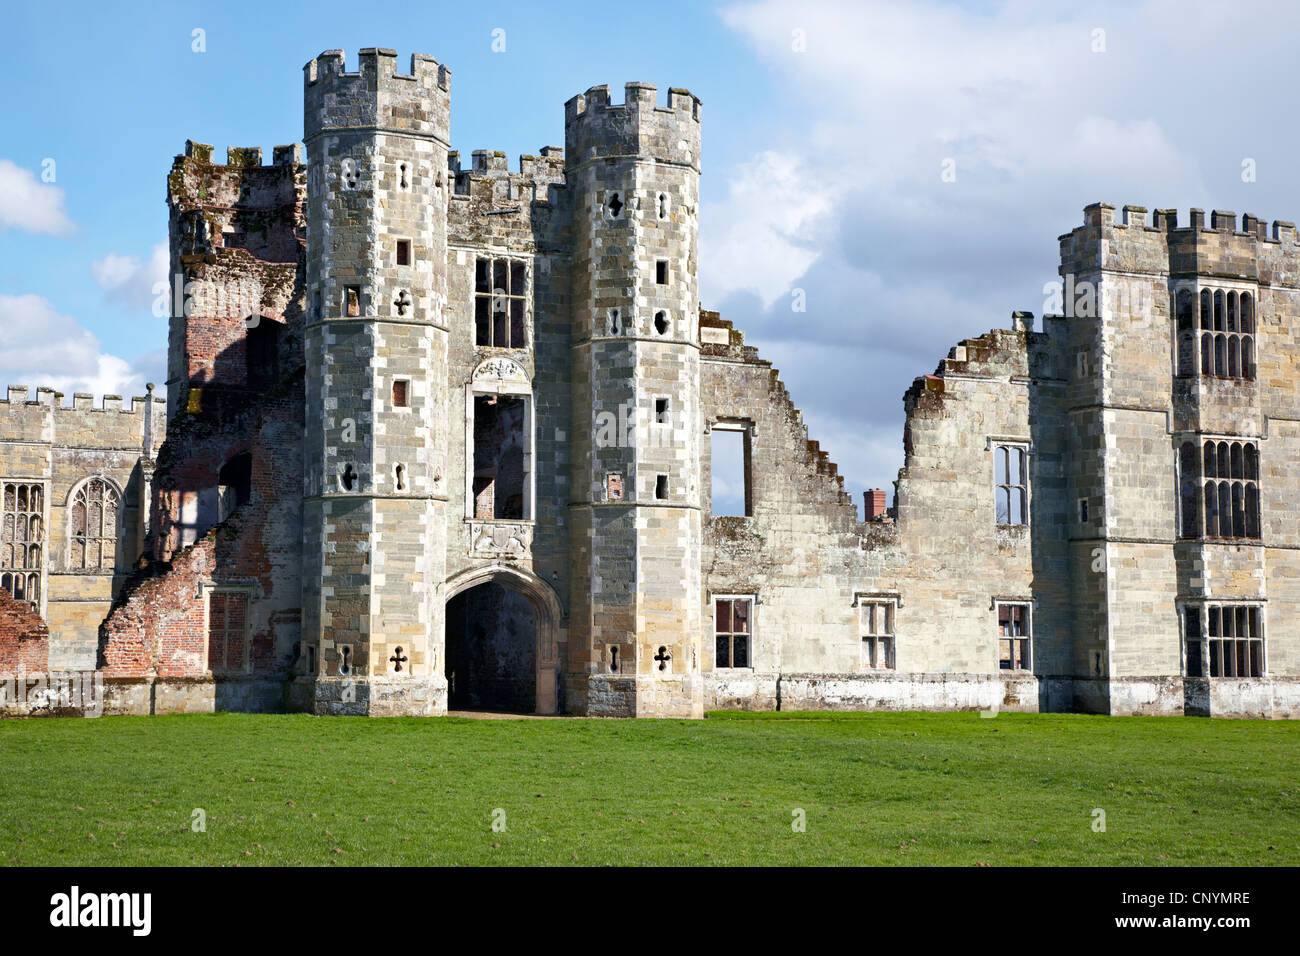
22, 539
1230, 476
93, 526
1227, 335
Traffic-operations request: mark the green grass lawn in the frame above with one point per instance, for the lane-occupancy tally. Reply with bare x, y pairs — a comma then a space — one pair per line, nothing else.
874, 788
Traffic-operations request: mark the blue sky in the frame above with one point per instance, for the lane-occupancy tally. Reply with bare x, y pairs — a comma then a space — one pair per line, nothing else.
826, 126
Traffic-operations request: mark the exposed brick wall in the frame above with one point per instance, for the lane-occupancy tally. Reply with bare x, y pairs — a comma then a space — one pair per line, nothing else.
24, 638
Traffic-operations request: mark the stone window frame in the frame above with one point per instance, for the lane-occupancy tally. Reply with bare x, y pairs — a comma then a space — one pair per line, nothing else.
208, 590
751, 634
1237, 494
995, 444
1202, 622
1027, 654
410, 252
1216, 330
524, 298
118, 530
30, 576
874, 637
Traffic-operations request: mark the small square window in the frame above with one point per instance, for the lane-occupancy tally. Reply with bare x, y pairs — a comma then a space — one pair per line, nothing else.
662, 411
661, 487
352, 300
400, 396
403, 252
661, 272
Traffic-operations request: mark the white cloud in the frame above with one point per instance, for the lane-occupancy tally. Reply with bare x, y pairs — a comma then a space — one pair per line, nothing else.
41, 347
128, 281
764, 233
843, 195
28, 204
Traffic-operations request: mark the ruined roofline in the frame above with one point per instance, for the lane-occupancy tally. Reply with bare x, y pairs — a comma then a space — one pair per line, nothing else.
81, 401
330, 68
1102, 215
243, 156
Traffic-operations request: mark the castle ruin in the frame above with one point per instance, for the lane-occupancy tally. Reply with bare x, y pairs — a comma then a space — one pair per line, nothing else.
441, 436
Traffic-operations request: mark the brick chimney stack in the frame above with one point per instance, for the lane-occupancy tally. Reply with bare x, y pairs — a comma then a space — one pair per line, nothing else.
873, 501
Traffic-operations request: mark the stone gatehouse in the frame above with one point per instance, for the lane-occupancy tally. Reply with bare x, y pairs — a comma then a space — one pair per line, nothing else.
442, 434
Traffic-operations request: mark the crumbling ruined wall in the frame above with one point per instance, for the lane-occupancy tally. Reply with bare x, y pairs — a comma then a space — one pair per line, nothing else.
24, 638
59, 450
236, 394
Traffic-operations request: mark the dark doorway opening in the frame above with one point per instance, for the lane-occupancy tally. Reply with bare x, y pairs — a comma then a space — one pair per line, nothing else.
491, 650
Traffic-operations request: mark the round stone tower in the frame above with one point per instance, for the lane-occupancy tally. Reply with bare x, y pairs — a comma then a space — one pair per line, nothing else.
374, 514
633, 173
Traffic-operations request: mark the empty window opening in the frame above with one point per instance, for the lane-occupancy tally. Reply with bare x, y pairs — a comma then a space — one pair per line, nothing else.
1219, 489
403, 252
500, 294
1227, 340
1013, 637
614, 322
613, 659
732, 631
234, 484
876, 625
498, 457
663, 411
262, 353
613, 486
401, 393
399, 476
661, 487
1223, 640
345, 660
351, 300
661, 323
96, 508
730, 481
661, 272
615, 206
1012, 491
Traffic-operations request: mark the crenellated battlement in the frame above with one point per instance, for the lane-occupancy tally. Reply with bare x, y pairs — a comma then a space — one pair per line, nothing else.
243, 156
1103, 215
594, 127
531, 182
1221, 244
20, 395
376, 95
